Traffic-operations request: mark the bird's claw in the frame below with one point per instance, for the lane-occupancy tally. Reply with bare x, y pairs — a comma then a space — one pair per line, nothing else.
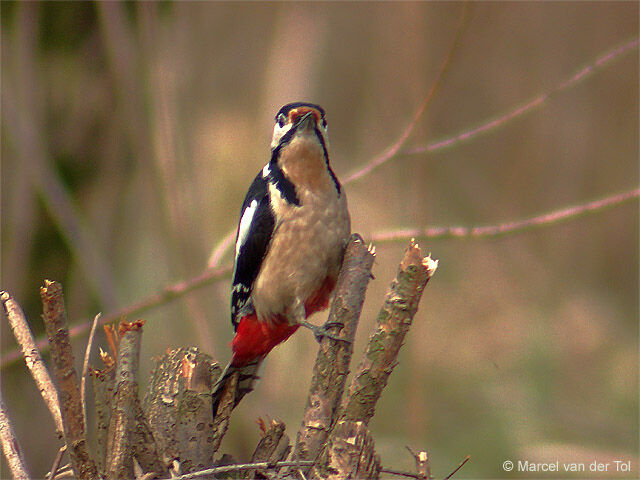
320, 331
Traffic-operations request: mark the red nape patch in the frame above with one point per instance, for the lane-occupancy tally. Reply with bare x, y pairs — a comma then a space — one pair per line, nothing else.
255, 339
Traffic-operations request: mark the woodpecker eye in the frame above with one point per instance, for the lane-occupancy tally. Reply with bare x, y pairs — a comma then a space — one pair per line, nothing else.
281, 119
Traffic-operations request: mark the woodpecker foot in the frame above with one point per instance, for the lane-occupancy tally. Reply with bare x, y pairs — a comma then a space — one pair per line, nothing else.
322, 331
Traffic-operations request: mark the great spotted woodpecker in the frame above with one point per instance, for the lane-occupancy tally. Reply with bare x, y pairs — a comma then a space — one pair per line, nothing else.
293, 229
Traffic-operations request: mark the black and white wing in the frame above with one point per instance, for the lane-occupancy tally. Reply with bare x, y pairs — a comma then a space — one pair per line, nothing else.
255, 229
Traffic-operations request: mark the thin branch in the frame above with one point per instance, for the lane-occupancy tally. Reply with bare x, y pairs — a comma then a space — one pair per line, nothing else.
419, 476
56, 463
221, 249
395, 148
32, 358
401, 473
241, 467
10, 446
583, 73
423, 464
332, 363
55, 321
393, 322
465, 460
85, 367
119, 462
518, 226
163, 297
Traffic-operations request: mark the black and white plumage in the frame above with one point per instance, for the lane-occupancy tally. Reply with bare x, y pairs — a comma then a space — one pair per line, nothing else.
294, 225
258, 218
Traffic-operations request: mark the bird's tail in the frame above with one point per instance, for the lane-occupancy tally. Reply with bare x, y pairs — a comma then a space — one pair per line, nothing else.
247, 379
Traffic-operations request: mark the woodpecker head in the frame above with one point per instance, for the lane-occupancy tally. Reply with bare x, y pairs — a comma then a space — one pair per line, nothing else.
299, 149
297, 119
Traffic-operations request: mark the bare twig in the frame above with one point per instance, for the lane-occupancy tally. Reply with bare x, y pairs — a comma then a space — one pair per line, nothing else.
423, 466
242, 467
85, 367
401, 473
419, 476
529, 106
10, 446
32, 358
546, 219
221, 249
395, 148
168, 294
56, 463
465, 460
394, 320
55, 321
119, 462
332, 363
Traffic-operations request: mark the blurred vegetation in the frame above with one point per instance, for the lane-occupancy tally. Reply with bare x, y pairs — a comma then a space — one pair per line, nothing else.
130, 132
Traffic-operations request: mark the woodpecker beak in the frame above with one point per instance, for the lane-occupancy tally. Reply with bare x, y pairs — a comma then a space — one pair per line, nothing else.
307, 123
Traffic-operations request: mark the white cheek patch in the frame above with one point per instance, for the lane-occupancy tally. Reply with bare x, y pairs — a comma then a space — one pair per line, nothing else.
245, 224
278, 132
266, 171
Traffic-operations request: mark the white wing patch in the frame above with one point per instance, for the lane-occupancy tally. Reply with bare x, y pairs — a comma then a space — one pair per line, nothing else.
266, 171
245, 224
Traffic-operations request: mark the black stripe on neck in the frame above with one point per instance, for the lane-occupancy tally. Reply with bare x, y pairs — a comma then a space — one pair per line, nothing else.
285, 182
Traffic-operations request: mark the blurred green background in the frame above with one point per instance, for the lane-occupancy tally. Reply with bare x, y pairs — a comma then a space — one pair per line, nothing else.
131, 131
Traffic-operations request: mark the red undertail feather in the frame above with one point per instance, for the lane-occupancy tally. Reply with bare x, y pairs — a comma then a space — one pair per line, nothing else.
255, 339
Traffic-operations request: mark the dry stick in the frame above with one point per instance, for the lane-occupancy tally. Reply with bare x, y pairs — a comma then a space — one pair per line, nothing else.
239, 468
394, 320
55, 321
32, 358
10, 446
56, 463
169, 293
465, 460
119, 462
530, 105
85, 367
423, 466
546, 219
332, 363
395, 148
